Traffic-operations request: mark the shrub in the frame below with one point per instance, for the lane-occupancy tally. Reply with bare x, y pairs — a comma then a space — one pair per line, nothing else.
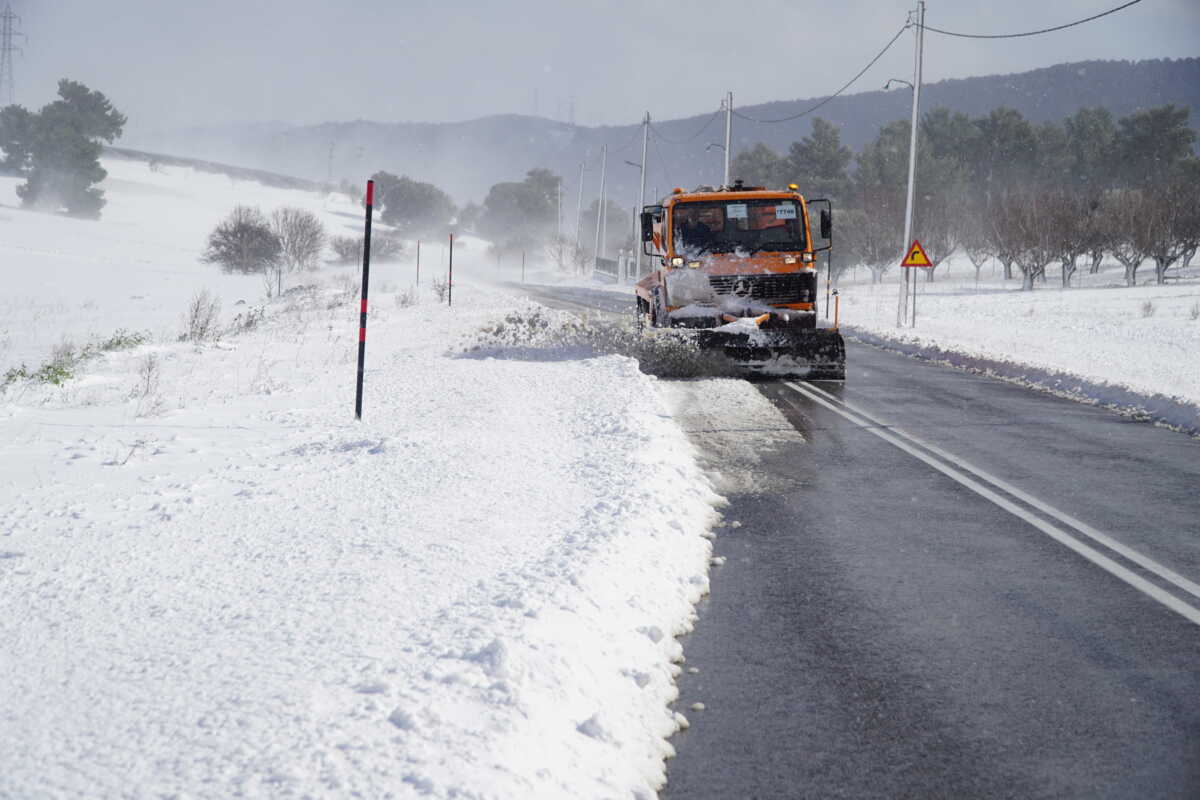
200, 319
65, 359
248, 320
348, 249
440, 287
148, 375
407, 298
244, 242
1147, 309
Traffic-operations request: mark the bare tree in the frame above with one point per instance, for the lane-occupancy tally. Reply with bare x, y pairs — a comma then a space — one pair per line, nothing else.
871, 234
1022, 231
1004, 232
565, 254
1129, 236
1172, 222
301, 237
974, 237
1073, 226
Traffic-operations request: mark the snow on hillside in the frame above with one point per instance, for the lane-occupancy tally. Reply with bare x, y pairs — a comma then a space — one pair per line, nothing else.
1146, 338
138, 265
215, 583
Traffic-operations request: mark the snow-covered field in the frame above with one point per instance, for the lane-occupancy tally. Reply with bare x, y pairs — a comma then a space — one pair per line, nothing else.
1145, 338
215, 583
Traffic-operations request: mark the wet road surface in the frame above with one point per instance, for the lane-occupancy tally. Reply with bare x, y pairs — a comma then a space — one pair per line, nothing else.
948, 587
896, 617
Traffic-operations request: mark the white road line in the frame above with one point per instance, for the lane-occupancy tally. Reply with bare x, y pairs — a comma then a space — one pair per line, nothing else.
894, 437
1148, 564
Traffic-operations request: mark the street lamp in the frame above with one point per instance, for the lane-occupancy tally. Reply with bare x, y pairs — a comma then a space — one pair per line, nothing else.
888, 85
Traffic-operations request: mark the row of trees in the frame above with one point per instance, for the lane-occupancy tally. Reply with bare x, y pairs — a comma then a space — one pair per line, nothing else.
57, 149
525, 215
1000, 186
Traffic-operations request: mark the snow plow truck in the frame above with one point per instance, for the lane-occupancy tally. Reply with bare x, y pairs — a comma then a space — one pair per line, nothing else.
737, 268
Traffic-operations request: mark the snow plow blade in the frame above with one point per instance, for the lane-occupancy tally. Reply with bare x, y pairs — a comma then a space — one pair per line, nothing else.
813, 354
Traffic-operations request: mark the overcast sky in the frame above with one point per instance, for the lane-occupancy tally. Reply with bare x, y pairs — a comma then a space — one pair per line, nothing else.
173, 64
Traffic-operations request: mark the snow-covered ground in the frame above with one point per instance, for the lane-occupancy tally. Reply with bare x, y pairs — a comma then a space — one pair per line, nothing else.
1146, 338
215, 583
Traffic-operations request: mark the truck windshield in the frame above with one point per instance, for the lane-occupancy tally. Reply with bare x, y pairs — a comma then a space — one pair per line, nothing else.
738, 225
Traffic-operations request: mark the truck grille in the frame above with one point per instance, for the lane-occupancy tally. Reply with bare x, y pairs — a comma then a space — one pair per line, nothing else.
772, 288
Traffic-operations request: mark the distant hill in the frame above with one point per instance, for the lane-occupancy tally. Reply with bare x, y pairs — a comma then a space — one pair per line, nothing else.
238, 173
466, 158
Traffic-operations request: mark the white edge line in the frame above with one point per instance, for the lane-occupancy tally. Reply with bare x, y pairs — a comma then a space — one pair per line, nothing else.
1129, 553
1059, 535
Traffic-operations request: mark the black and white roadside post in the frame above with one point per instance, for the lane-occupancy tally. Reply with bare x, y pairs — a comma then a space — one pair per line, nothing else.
522, 266
418, 262
450, 278
362, 311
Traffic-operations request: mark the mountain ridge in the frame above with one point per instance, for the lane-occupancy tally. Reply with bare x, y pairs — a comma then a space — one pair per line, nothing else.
467, 157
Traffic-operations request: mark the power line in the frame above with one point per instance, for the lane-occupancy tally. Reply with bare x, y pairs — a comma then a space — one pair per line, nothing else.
703, 128
1031, 33
662, 164
849, 83
637, 132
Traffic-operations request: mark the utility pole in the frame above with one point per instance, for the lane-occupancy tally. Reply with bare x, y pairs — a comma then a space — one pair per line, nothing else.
600, 210
8, 31
902, 307
729, 133
637, 239
579, 205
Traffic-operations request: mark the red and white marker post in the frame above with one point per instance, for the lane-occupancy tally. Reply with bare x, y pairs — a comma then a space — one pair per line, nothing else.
362, 312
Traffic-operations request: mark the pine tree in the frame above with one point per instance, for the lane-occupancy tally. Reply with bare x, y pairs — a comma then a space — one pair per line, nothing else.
16, 138
758, 166
818, 162
65, 151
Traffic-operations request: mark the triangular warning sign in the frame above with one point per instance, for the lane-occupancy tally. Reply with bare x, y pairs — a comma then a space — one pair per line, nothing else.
916, 256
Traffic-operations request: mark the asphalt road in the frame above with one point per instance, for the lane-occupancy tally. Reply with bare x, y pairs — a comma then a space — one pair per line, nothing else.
953, 587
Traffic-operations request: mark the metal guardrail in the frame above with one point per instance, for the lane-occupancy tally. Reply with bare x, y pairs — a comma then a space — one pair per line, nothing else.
607, 269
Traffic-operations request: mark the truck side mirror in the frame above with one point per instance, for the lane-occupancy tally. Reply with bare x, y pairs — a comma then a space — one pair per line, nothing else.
647, 226
822, 226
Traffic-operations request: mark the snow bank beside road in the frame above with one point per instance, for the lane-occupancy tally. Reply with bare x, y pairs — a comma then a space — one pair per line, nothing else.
236, 589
